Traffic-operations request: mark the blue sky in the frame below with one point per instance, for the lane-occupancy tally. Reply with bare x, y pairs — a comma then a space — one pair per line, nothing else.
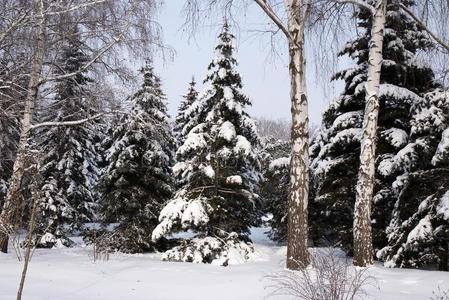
265, 79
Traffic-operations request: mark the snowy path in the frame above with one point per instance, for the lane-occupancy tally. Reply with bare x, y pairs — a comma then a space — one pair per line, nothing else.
69, 274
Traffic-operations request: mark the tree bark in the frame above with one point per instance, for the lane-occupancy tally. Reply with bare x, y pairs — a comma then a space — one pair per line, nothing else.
29, 240
363, 247
297, 235
13, 199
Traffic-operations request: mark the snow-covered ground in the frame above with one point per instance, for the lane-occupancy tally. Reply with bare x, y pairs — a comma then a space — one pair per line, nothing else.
70, 274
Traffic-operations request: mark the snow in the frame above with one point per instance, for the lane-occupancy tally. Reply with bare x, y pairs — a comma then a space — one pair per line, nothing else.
235, 179
421, 231
398, 138
227, 131
70, 274
279, 163
227, 93
443, 207
242, 145
443, 148
195, 213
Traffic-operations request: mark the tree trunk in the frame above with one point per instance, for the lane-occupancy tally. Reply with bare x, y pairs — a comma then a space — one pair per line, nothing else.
363, 246
29, 240
297, 235
13, 199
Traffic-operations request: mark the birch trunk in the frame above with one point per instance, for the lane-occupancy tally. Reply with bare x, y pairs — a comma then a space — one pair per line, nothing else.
12, 203
297, 235
363, 247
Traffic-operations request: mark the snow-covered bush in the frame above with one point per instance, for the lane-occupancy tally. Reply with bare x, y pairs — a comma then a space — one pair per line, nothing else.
229, 250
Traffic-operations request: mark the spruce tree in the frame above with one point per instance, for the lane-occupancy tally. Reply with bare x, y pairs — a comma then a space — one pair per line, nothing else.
418, 234
183, 112
335, 154
69, 167
219, 166
138, 179
275, 158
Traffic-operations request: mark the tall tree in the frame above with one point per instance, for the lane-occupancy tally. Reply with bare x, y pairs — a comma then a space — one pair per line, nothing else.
219, 166
335, 152
138, 179
70, 164
363, 248
297, 14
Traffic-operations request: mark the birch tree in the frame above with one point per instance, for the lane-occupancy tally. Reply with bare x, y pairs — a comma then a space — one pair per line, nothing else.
106, 26
291, 20
363, 248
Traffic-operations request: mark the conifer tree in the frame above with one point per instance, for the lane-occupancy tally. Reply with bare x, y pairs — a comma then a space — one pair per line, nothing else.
182, 118
418, 234
336, 152
219, 166
138, 179
69, 167
275, 159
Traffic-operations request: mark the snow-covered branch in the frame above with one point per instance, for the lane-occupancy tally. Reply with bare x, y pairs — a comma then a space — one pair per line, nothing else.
67, 123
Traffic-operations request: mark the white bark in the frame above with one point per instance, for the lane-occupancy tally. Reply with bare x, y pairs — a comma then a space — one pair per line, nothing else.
10, 207
297, 254
363, 248
297, 233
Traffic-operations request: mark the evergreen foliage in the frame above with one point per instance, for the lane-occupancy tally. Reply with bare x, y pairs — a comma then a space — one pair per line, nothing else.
335, 153
69, 168
219, 167
138, 179
183, 117
274, 187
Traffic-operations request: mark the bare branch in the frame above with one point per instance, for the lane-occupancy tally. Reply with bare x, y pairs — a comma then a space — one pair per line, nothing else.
359, 3
266, 7
440, 41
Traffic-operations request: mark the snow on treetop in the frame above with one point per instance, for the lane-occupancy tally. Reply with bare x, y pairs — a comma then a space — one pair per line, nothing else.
227, 93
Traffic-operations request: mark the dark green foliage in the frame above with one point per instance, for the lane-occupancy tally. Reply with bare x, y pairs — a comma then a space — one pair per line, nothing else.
69, 168
138, 179
335, 153
274, 187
